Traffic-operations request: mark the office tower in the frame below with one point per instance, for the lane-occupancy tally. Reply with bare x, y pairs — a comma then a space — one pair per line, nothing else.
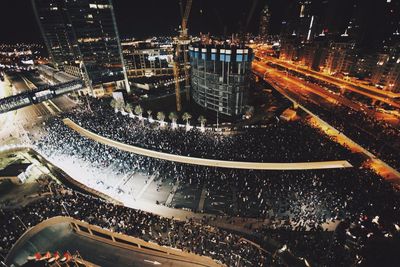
264, 23
147, 59
391, 27
58, 35
83, 34
220, 77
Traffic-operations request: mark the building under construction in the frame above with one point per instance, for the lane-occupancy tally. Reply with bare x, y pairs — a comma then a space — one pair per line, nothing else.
220, 77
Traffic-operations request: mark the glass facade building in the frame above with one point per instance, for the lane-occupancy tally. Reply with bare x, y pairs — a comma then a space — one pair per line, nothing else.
83, 33
220, 77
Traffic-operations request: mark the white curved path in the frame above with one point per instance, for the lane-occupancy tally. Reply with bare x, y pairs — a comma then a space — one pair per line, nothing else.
208, 162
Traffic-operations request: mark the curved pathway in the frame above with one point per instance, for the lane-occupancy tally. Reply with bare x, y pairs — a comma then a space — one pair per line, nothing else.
207, 162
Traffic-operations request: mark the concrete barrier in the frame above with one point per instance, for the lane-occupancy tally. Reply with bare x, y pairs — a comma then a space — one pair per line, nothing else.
207, 162
112, 238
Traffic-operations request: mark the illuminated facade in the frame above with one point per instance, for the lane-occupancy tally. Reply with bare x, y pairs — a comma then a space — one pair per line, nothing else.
146, 59
264, 23
340, 57
220, 77
386, 73
83, 33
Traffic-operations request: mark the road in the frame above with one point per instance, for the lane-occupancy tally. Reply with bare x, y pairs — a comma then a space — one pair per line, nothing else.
304, 94
208, 162
61, 238
27, 119
319, 94
359, 88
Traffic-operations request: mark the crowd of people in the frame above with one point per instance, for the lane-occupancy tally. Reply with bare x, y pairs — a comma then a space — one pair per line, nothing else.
300, 201
189, 236
305, 199
276, 142
378, 137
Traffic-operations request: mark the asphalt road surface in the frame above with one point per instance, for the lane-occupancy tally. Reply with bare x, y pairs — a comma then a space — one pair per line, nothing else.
19, 121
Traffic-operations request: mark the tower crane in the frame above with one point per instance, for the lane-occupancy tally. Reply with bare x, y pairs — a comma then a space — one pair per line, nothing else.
181, 47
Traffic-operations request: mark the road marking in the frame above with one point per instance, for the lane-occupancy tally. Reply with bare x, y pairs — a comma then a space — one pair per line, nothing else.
153, 262
172, 194
146, 185
54, 105
202, 198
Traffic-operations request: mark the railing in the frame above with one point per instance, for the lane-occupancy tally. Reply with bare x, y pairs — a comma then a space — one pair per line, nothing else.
112, 238
38, 95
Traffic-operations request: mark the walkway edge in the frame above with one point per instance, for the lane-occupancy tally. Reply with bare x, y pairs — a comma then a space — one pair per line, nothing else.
207, 162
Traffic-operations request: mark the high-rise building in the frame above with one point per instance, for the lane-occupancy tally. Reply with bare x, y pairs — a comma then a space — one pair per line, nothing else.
290, 48
264, 23
386, 73
147, 59
83, 33
340, 57
220, 77
391, 28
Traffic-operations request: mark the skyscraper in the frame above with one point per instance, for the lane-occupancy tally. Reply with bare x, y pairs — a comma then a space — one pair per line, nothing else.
83, 34
264, 23
220, 77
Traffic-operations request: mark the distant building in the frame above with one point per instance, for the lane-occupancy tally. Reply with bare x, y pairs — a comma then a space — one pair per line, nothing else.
290, 48
220, 77
340, 57
386, 73
264, 23
83, 34
300, 20
147, 59
364, 64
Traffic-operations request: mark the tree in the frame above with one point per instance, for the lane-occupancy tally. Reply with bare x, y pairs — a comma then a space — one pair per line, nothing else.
113, 103
202, 120
128, 107
160, 116
139, 111
173, 117
186, 117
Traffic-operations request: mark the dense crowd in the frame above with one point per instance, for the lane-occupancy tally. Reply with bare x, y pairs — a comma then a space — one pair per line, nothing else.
277, 142
378, 136
304, 199
297, 201
188, 235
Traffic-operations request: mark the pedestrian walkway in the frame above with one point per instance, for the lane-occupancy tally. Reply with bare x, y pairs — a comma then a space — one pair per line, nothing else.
208, 162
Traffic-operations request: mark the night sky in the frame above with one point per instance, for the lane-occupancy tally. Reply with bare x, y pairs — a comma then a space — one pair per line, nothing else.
149, 17
146, 18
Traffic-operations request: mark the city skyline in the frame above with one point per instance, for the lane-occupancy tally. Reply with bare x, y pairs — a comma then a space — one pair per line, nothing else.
144, 20
252, 133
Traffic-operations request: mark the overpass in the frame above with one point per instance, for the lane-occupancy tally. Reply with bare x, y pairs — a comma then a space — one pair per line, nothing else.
40, 94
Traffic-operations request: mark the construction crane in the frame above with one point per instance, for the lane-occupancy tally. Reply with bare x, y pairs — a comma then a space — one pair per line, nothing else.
181, 47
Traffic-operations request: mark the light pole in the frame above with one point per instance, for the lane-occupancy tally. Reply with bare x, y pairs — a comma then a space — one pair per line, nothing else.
217, 118
62, 204
26, 228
